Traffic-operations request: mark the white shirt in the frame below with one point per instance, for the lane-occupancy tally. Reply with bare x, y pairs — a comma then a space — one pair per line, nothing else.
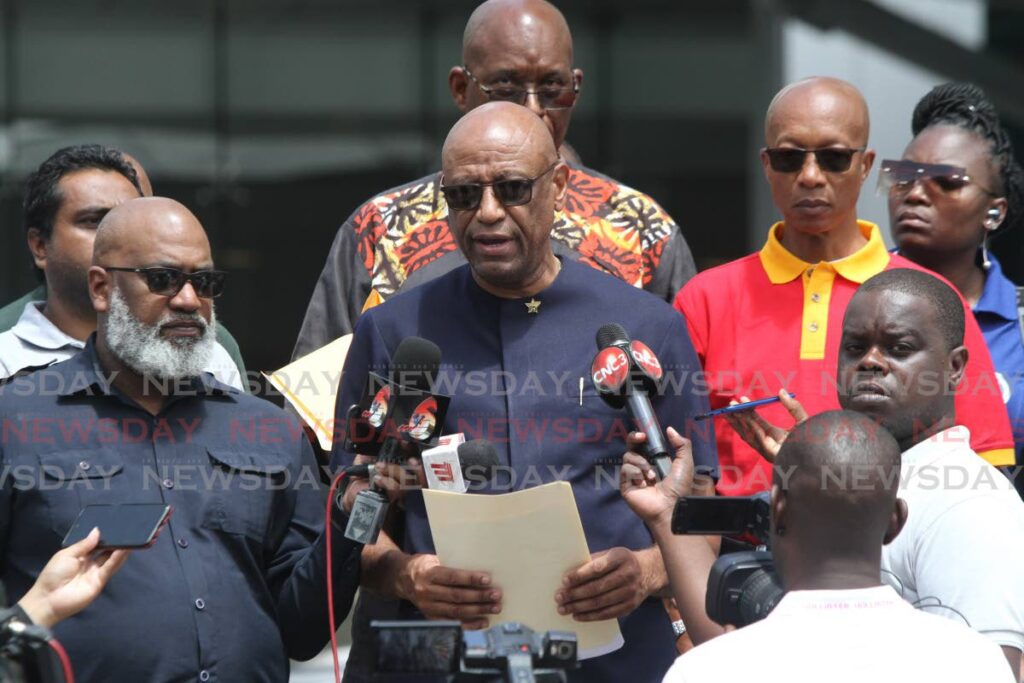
34, 341
963, 543
852, 636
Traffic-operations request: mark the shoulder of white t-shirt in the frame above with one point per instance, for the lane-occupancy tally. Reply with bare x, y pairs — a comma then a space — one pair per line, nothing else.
223, 367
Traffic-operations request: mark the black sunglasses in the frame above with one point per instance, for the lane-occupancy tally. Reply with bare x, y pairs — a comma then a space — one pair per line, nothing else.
829, 159
549, 96
209, 284
515, 192
900, 176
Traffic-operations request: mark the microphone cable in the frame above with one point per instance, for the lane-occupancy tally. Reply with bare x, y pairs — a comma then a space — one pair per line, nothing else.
65, 661
329, 530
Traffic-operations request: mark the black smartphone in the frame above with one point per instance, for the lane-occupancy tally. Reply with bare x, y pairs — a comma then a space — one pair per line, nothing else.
127, 525
719, 515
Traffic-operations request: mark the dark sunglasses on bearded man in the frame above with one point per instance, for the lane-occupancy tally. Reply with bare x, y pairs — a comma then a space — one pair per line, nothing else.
164, 281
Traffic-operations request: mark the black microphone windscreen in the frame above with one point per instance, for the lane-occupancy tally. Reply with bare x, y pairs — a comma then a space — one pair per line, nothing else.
415, 363
611, 333
478, 452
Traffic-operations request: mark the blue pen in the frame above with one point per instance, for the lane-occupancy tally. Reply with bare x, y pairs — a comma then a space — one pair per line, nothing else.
740, 407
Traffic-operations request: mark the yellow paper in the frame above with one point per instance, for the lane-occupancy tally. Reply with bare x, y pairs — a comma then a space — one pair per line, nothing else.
527, 540
310, 385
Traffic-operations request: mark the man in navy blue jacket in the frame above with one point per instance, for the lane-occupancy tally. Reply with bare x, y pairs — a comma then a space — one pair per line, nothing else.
516, 326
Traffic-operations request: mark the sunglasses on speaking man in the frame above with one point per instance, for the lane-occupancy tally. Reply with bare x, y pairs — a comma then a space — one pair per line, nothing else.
900, 176
829, 159
209, 284
512, 192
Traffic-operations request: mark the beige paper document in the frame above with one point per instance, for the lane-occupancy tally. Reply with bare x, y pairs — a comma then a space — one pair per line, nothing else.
527, 540
310, 385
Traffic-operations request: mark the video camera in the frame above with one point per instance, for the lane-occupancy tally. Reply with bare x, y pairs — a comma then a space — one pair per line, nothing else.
510, 652
743, 586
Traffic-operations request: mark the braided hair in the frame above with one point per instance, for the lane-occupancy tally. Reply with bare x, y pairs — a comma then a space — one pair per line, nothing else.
965, 105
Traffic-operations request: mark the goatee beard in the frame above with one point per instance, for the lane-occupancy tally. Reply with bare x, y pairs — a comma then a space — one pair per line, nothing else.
143, 349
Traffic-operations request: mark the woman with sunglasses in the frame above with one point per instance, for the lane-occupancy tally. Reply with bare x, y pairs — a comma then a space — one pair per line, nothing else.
957, 186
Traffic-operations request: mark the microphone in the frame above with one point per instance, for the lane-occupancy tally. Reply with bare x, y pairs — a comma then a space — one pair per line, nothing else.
478, 461
625, 373
372, 422
406, 414
457, 468
415, 364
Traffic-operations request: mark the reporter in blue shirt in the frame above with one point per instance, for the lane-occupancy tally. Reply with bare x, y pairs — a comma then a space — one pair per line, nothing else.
958, 185
236, 582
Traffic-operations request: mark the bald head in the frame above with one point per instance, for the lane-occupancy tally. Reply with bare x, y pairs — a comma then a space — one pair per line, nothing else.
819, 97
505, 130
140, 173
817, 195
138, 229
504, 182
526, 22
840, 495
152, 285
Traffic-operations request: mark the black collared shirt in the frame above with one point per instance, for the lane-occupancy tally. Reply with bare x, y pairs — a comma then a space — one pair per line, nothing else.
234, 585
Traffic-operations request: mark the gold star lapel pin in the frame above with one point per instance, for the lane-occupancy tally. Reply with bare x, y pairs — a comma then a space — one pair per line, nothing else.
533, 306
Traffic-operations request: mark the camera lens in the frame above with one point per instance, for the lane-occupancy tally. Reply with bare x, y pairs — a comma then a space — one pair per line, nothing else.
759, 595
562, 650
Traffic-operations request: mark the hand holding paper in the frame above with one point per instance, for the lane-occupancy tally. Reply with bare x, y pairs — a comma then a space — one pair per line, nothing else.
445, 593
611, 585
527, 541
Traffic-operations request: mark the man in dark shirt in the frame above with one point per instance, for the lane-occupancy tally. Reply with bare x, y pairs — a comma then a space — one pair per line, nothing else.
516, 327
236, 583
518, 51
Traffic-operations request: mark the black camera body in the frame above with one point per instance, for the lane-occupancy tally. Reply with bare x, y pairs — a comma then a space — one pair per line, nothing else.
739, 516
743, 587
490, 650
510, 652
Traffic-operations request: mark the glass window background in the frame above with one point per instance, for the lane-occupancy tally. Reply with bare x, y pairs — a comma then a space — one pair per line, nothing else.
274, 120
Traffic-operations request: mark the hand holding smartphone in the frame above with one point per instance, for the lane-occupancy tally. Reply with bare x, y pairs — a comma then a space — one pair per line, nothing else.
126, 525
739, 407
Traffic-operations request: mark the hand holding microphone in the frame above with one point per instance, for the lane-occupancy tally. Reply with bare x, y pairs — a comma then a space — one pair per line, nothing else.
404, 416
653, 501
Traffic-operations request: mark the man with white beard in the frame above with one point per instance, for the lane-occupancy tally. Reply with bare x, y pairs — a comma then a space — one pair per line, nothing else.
237, 581
144, 348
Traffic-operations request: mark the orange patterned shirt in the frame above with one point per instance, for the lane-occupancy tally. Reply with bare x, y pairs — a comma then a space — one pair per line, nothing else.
401, 238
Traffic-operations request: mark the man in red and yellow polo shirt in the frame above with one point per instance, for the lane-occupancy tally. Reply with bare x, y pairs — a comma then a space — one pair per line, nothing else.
773, 319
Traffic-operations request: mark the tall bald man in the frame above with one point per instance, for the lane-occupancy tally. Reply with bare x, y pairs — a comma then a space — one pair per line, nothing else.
771, 321
236, 582
517, 51
524, 318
